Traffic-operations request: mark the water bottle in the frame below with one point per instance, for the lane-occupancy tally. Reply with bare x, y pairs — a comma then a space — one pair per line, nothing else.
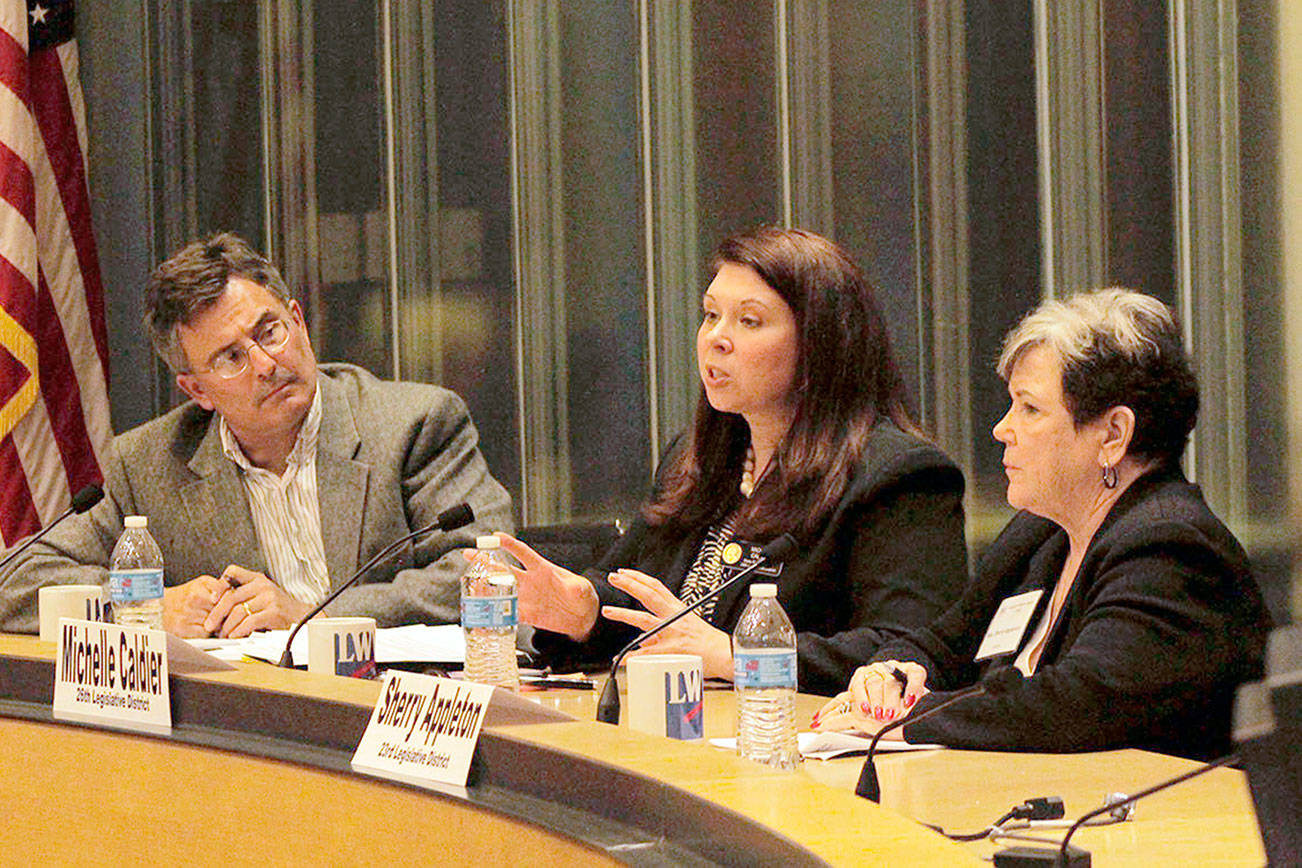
764, 677
489, 615
135, 580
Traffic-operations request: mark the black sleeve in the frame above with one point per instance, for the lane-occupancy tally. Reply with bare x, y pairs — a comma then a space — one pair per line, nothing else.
946, 646
1164, 634
907, 563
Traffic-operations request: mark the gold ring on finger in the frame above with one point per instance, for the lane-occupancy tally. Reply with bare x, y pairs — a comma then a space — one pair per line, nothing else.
247, 611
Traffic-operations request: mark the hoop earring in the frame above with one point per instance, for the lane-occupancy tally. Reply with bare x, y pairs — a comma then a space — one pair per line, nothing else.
1109, 476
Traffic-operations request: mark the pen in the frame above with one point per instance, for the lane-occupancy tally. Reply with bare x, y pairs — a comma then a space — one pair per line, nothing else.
898, 674
575, 683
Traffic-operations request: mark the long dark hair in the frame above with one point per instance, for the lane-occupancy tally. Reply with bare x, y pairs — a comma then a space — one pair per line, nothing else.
846, 379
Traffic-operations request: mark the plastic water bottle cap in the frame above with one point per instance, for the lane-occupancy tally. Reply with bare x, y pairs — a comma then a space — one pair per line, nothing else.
764, 590
136, 521
487, 542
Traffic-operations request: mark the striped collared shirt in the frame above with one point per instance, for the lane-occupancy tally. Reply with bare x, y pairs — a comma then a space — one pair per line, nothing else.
286, 513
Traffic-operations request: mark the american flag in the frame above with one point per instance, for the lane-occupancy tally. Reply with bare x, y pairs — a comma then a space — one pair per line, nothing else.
54, 416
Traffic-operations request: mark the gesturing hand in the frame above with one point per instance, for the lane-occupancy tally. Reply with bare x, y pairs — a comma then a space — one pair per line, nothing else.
690, 635
551, 597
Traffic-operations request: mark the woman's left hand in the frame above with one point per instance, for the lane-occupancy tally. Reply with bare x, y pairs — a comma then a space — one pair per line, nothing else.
689, 635
843, 714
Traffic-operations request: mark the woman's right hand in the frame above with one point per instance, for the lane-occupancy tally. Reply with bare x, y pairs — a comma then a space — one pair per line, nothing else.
876, 695
551, 597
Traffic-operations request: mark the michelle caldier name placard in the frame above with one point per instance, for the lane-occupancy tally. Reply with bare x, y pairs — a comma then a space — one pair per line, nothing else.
112, 676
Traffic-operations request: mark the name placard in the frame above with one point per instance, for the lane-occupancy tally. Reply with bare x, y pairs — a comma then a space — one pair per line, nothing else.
112, 676
423, 730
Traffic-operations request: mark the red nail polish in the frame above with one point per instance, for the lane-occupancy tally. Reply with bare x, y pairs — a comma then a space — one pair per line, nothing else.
909, 700
890, 715
866, 709
879, 714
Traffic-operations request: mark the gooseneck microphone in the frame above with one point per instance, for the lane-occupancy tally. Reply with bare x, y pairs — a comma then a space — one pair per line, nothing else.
1111, 805
449, 519
81, 501
996, 682
774, 553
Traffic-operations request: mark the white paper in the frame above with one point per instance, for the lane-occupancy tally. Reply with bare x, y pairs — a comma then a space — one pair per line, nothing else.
185, 658
829, 745
415, 643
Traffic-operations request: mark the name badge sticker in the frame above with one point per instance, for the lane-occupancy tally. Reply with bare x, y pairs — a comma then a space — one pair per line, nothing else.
423, 730
1008, 625
113, 676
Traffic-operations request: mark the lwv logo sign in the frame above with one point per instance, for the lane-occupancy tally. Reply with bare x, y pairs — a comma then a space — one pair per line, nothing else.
683, 713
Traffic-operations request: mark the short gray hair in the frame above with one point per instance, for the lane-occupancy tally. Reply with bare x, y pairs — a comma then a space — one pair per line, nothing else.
1074, 328
1117, 347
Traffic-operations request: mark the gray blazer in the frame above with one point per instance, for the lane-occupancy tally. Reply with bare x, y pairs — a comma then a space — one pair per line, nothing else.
390, 457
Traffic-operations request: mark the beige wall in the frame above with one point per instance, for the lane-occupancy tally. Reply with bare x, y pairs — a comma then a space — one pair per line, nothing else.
1290, 60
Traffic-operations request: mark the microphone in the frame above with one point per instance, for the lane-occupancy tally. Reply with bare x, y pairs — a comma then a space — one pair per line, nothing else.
1113, 804
996, 682
449, 519
775, 552
81, 501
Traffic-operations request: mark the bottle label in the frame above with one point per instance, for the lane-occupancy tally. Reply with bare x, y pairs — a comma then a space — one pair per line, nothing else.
764, 669
492, 612
134, 586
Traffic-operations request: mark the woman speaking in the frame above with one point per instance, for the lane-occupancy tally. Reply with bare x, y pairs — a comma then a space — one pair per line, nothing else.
801, 427
1128, 607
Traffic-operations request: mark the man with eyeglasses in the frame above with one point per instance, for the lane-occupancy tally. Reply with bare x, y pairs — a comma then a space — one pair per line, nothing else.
279, 477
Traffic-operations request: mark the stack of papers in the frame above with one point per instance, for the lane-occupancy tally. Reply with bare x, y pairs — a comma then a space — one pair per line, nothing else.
416, 643
828, 745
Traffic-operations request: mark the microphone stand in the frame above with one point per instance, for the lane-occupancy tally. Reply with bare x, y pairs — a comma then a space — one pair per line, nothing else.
1063, 850
450, 519
608, 704
81, 501
869, 787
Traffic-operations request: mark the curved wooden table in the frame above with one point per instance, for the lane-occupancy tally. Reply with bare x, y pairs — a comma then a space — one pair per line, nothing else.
256, 771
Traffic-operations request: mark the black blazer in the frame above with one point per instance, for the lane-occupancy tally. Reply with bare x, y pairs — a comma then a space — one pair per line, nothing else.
889, 558
1163, 622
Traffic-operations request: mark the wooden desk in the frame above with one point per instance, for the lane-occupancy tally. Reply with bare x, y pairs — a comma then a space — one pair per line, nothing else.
256, 771
1205, 821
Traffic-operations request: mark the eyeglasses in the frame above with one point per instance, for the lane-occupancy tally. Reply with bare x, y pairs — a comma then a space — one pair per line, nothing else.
271, 336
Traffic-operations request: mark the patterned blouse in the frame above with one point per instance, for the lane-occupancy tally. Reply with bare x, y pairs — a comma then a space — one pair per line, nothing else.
706, 573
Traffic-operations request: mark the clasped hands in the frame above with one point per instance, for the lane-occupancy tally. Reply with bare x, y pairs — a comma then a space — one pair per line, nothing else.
877, 695
232, 606
554, 598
